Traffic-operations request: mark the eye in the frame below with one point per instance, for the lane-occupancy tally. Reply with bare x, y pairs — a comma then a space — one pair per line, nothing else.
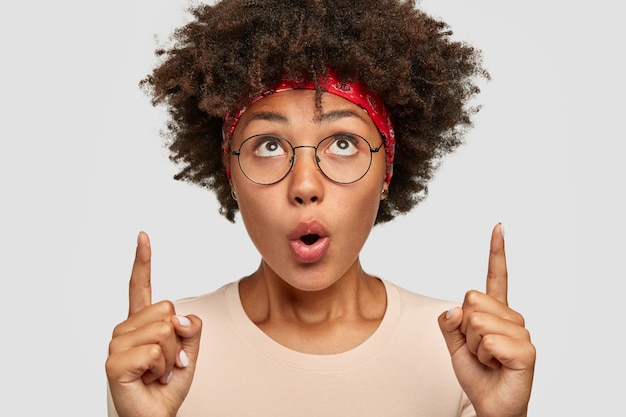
344, 145
268, 146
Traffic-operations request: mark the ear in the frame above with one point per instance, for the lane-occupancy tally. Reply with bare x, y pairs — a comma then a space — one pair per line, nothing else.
385, 191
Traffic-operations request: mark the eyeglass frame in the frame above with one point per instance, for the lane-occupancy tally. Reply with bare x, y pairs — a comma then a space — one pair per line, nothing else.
317, 158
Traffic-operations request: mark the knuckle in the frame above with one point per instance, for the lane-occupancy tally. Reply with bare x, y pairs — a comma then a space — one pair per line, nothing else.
475, 320
164, 329
525, 335
519, 320
489, 342
165, 308
154, 353
472, 298
120, 329
516, 318
531, 353
110, 367
137, 284
113, 346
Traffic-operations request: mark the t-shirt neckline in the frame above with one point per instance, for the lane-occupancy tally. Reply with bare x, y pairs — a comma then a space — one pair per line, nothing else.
250, 333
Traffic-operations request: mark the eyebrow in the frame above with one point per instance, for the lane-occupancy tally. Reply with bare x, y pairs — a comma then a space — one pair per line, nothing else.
340, 114
265, 115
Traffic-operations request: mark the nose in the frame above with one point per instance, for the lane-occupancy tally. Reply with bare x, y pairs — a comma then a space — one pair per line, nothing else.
306, 181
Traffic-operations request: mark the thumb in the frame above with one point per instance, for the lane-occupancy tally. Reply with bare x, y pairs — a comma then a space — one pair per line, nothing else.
449, 323
189, 329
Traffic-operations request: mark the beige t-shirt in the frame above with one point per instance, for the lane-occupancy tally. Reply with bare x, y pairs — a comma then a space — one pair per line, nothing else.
403, 369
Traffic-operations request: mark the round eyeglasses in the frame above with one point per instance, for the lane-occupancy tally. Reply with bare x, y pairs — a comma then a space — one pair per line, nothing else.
343, 158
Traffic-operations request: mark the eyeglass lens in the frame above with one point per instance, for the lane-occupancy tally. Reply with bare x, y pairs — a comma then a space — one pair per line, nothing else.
342, 158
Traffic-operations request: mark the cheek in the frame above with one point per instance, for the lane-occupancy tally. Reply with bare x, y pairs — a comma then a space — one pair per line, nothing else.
359, 208
259, 208
253, 204
259, 222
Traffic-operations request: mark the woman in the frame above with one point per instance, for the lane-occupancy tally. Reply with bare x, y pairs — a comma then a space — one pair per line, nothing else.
317, 120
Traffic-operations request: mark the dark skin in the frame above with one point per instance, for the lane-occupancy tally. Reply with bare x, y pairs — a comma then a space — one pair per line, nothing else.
146, 348
231, 52
490, 349
488, 342
325, 305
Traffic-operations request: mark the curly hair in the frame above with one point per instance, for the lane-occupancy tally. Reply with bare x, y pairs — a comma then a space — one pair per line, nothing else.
233, 50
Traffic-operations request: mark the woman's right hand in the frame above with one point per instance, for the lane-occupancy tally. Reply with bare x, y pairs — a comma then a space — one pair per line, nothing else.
153, 353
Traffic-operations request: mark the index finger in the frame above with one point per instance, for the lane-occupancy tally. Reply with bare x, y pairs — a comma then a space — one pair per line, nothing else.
497, 275
140, 288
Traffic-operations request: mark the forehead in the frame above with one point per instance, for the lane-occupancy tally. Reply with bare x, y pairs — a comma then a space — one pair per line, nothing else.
301, 104
300, 99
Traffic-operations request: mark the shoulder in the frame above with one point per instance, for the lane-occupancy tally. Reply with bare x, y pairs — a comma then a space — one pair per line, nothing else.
417, 314
209, 306
415, 302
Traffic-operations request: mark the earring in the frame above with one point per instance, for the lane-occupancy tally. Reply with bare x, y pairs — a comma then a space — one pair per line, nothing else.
233, 195
383, 194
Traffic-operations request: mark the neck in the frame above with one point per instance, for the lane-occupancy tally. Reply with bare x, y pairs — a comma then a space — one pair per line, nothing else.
314, 321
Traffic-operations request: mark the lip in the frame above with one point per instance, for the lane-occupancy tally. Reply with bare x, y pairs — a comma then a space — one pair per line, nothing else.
313, 252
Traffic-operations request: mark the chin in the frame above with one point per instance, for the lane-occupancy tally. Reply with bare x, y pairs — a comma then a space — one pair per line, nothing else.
307, 277
310, 283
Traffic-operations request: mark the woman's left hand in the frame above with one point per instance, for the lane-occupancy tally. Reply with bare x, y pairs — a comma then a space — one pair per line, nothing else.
491, 350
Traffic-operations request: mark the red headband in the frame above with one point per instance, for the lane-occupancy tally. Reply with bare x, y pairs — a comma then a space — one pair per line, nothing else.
354, 92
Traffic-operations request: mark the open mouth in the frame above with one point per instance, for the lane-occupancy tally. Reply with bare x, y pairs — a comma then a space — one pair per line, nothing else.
309, 239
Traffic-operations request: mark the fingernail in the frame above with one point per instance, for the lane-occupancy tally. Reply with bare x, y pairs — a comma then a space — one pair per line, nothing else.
450, 312
502, 230
169, 378
183, 321
138, 237
184, 360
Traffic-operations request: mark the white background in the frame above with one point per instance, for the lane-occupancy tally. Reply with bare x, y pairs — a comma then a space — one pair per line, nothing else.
83, 169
